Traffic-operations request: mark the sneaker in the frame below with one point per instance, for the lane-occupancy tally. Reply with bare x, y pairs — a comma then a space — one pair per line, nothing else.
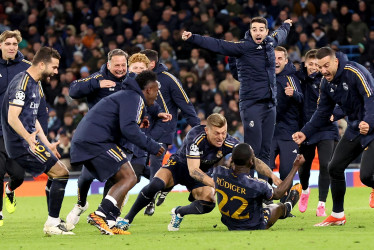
294, 195
10, 201
1, 221
176, 220
371, 200
122, 223
303, 204
68, 225
60, 229
74, 215
321, 211
117, 230
331, 221
100, 223
150, 209
161, 198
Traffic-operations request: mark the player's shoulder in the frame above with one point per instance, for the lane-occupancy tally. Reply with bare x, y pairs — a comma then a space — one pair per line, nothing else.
26, 62
230, 142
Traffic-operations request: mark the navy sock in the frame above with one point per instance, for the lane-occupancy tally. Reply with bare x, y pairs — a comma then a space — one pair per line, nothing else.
145, 196
47, 189
84, 183
196, 207
56, 195
109, 209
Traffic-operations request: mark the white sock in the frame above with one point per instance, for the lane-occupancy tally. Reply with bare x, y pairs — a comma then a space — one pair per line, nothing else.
100, 214
306, 191
7, 190
338, 215
321, 203
111, 223
51, 221
108, 197
1, 213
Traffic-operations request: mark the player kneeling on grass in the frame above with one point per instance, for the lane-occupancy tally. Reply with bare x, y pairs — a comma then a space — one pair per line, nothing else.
240, 196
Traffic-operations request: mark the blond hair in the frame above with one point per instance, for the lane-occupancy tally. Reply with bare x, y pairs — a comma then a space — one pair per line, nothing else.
138, 57
10, 34
216, 120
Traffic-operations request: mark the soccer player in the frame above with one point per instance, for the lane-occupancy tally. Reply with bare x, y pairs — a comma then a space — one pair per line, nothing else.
98, 139
324, 140
11, 63
289, 104
171, 99
240, 196
351, 86
255, 65
24, 138
202, 148
95, 87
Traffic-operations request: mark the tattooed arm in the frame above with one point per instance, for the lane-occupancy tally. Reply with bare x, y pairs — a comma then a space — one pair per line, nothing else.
197, 173
264, 169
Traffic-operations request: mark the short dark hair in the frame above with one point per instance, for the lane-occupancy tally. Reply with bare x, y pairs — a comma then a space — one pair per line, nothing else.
311, 54
241, 154
325, 51
45, 54
151, 54
145, 77
259, 19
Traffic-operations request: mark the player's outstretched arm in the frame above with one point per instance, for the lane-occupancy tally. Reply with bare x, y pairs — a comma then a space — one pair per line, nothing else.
264, 169
197, 173
283, 187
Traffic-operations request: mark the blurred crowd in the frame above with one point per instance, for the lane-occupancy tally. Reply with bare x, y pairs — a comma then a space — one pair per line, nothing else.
85, 31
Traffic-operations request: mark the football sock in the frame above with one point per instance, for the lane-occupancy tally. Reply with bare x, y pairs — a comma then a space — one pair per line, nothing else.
108, 206
196, 207
145, 196
47, 189
56, 195
53, 221
306, 191
338, 188
338, 215
321, 203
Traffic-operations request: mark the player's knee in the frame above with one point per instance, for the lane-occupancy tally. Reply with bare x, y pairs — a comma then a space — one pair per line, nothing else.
367, 179
204, 207
334, 172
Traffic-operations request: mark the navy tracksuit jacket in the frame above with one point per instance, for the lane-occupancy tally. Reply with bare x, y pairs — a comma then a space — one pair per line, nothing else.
287, 120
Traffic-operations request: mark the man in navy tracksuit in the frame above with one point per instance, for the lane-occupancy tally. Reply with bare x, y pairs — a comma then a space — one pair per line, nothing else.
11, 63
324, 140
351, 86
255, 64
290, 100
109, 80
171, 99
98, 139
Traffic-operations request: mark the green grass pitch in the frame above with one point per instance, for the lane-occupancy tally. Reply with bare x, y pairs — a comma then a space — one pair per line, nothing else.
24, 228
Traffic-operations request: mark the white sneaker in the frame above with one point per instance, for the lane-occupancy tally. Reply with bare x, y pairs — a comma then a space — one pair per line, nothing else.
60, 229
75, 213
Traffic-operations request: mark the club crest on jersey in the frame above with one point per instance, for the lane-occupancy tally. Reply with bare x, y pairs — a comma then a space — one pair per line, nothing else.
345, 86
20, 95
219, 154
251, 124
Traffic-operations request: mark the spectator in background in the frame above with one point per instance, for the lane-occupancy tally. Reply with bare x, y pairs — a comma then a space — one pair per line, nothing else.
64, 149
229, 85
364, 12
232, 116
335, 32
357, 30
320, 37
234, 8
77, 63
52, 90
344, 17
201, 68
250, 8
300, 5
324, 16
302, 44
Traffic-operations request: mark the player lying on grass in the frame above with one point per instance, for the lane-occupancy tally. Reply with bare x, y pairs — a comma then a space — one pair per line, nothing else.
240, 196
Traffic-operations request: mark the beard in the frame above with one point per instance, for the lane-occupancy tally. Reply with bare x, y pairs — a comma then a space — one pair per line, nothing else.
45, 77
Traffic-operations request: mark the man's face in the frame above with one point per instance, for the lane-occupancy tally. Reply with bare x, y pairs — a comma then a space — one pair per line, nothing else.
311, 65
137, 67
118, 66
50, 69
151, 93
328, 67
9, 48
216, 136
280, 61
258, 32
